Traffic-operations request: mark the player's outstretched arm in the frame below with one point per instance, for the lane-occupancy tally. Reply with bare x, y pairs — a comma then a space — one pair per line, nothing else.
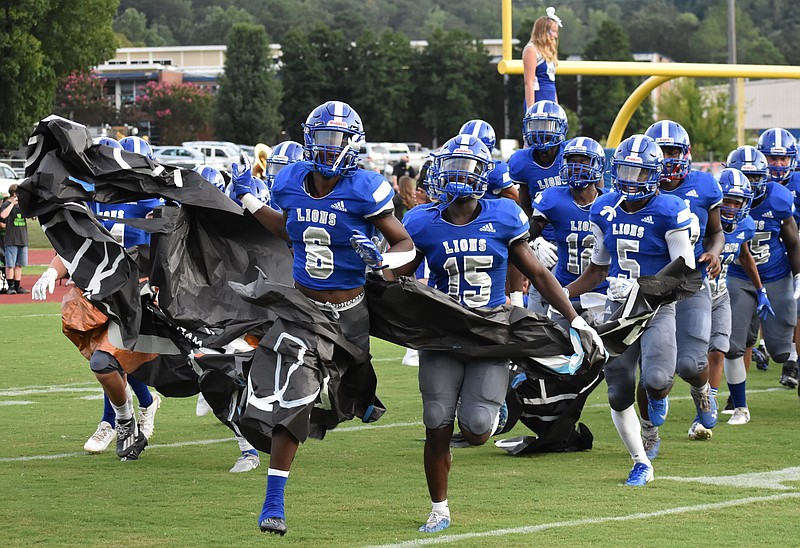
47, 281
542, 279
713, 243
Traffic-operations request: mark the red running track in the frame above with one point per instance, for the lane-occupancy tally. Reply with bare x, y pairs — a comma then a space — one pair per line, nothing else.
36, 257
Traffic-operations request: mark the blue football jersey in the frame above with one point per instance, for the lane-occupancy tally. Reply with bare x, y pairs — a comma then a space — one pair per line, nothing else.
793, 185
499, 180
320, 228
128, 236
734, 241
637, 242
767, 247
469, 262
524, 170
702, 193
572, 232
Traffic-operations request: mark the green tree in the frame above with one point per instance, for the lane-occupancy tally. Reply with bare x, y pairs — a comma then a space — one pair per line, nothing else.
180, 110
40, 42
218, 24
316, 67
660, 26
705, 114
132, 24
382, 82
602, 96
249, 92
454, 66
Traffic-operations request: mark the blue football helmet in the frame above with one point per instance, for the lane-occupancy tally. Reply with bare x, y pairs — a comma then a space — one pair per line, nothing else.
462, 168
544, 125
636, 167
212, 175
737, 195
778, 142
578, 174
671, 134
108, 141
750, 161
260, 191
285, 153
482, 130
333, 135
137, 145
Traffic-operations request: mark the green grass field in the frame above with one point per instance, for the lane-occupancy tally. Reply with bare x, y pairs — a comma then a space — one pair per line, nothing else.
364, 485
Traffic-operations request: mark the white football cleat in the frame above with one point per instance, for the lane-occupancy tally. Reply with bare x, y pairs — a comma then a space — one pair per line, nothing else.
741, 415
101, 439
202, 409
147, 417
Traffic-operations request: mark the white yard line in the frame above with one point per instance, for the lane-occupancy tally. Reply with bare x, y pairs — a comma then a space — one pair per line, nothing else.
720, 394
529, 529
18, 316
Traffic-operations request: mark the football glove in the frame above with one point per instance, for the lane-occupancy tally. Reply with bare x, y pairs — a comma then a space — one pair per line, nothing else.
367, 250
45, 283
764, 308
546, 252
242, 177
618, 288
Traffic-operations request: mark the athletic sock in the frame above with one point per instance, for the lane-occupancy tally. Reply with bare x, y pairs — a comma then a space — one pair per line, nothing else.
108, 412
793, 354
648, 430
713, 391
123, 412
441, 508
250, 452
142, 392
738, 394
273, 502
244, 445
630, 431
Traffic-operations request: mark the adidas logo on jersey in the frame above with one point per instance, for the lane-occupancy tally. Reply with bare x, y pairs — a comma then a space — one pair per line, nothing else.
740, 236
487, 228
768, 215
339, 206
692, 194
648, 219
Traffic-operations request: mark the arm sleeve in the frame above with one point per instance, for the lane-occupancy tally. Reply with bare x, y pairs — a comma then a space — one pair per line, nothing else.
600, 255
679, 245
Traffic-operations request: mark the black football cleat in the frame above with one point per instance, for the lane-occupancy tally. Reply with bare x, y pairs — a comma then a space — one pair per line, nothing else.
276, 526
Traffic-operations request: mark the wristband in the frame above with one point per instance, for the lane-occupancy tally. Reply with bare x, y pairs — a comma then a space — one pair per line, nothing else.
251, 203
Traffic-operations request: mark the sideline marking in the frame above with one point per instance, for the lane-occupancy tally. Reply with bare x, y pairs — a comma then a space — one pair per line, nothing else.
719, 394
755, 480
200, 442
29, 316
17, 402
54, 390
590, 521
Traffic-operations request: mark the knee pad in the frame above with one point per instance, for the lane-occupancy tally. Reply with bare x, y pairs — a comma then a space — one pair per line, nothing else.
619, 399
478, 419
689, 367
656, 380
780, 358
103, 362
434, 416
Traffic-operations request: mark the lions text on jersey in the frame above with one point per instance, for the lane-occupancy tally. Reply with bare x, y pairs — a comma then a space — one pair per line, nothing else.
468, 262
524, 170
128, 236
320, 227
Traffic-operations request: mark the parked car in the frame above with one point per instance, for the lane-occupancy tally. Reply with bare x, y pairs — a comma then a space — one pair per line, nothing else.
8, 177
219, 156
178, 156
373, 157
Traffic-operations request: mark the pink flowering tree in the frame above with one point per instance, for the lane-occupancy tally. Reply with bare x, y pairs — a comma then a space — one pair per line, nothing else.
181, 111
81, 97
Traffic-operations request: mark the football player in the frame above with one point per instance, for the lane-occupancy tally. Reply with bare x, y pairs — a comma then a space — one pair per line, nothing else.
326, 201
638, 231
701, 193
128, 236
780, 149
499, 185
775, 249
566, 209
537, 167
468, 242
739, 230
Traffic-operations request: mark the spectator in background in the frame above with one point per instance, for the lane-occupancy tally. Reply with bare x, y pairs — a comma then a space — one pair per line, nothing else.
540, 58
405, 198
15, 241
402, 168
